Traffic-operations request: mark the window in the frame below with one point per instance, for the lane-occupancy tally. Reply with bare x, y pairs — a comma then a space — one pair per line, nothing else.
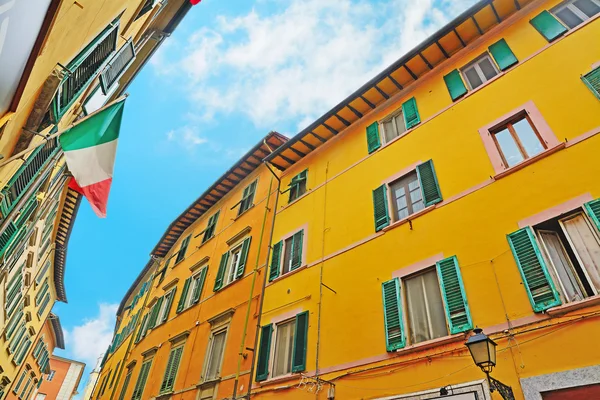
125, 385
51, 375
209, 232
138, 390
393, 126
284, 342
97, 99
479, 71
112, 381
287, 255
192, 289
171, 372
298, 185
407, 196
517, 140
19, 382
183, 249
575, 12
215, 356
233, 264
247, 198
117, 67
425, 310
165, 308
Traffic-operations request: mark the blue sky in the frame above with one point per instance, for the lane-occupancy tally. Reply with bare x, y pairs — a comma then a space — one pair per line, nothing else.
233, 71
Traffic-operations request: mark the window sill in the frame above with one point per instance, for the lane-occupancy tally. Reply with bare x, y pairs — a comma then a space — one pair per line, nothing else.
458, 337
202, 244
297, 199
164, 396
576, 305
529, 161
288, 274
280, 379
408, 219
208, 383
243, 212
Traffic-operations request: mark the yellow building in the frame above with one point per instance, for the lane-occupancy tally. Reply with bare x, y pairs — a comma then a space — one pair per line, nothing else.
53, 73
187, 326
456, 189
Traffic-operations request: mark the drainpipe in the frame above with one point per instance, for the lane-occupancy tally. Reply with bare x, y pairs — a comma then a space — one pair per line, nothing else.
262, 293
249, 308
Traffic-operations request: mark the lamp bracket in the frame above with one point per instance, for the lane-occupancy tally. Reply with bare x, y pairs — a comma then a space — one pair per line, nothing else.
504, 390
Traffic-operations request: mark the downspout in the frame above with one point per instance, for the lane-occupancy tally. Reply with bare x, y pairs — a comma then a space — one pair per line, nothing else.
132, 338
249, 308
262, 294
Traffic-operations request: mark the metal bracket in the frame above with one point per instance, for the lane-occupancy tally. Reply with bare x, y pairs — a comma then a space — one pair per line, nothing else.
505, 391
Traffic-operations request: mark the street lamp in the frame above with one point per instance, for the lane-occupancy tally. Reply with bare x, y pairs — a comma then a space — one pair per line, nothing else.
483, 352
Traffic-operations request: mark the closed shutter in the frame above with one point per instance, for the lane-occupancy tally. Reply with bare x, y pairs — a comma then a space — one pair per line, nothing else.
503, 55
183, 249
392, 313
300, 343
429, 183
456, 86
125, 385
221, 272
243, 258
264, 351
455, 299
168, 306
138, 391
410, 113
373, 139
184, 292
154, 313
380, 208
167, 382
548, 25
592, 80
138, 336
7, 236
275, 260
297, 250
536, 278
198, 289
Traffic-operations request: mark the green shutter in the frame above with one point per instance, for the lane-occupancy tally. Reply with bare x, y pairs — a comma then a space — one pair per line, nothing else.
168, 306
373, 139
297, 250
154, 313
380, 208
548, 25
392, 313
455, 298
125, 385
503, 55
593, 210
243, 258
592, 80
183, 249
198, 288
300, 343
182, 298
138, 391
168, 378
221, 272
429, 183
264, 351
7, 236
138, 336
539, 285
455, 84
410, 112
275, 260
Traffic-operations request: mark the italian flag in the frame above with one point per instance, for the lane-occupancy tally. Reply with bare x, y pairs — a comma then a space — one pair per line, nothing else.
90, 148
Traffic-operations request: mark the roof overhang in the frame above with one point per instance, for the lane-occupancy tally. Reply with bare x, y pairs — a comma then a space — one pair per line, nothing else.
57, 331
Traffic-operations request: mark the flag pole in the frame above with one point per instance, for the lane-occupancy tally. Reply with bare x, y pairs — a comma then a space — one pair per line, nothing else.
20, 154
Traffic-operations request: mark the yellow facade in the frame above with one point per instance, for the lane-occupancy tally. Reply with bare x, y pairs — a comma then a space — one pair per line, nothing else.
345, 261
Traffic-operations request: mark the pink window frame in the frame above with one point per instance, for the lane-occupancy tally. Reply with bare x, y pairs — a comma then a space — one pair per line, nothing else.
540, 124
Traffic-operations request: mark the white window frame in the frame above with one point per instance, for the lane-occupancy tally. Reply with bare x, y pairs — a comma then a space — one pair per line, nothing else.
209, 352
272, 355
194, 282
163, 306
573, 8
231, 269
475, 65
394, 116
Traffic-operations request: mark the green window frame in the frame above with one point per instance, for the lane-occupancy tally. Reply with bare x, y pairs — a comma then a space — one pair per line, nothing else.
247, 200
140, 384
297, 186
225, 274
170, 375
183, 249
592, 81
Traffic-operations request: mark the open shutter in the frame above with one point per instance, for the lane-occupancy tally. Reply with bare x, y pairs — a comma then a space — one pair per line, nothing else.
593, 210
455, 299
165, 382
300, 340
168, 306
262, 365
410, 113
373, 139
546, 24
392, 312
117, 66
221, 272
243, 257
429, 183
154, 313
182, 298
455, 84
198, 289
174, 368
539, 285
502, 54
380, 208
297, 250
592, 80
138, 336
275, 260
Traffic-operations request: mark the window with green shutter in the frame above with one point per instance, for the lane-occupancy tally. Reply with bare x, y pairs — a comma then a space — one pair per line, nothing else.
380, 208
455, 299
275, 260
154, 313
291, 249
410, 113
171, 372
247, 200
592, 81
536, 279
264, 352
209, 232
298, 185
373, 139
575, 12
503, 55
546, 24
166, 306
140, 385
183, 249
300, 343
198, 280
392, 313
456, 86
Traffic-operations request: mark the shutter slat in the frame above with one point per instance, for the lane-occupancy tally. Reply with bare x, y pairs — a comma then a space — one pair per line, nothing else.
429, 183
503, 55
373, 139
410, 113
538, 283
297, 250
454, 83
262, 365
592, 80
392, 313
198, 288
221, 272
380, 208
300, 343
457, 309
275, 260
546, 24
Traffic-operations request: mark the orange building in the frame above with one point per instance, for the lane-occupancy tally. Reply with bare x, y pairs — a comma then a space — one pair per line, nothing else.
62, 380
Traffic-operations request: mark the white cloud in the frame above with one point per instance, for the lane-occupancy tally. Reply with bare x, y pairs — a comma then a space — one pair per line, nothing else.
88, 341
296, 63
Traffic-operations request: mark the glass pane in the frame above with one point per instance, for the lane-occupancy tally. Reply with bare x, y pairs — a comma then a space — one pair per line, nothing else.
235, 258
283, 348
569, 18
416, 198
508, 147
389, 130
437, 317
425, 308
487, 68
562, 266
399, 120
287, 255
530, 140
585, 245
216, 354
588, 7
473, 77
